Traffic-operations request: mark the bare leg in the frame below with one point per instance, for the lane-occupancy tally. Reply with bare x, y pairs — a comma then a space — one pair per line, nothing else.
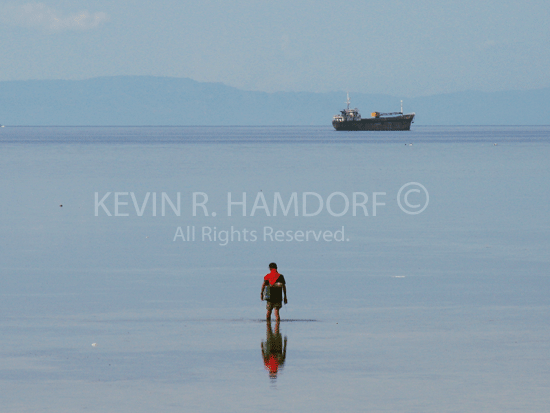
268, 315
277, 315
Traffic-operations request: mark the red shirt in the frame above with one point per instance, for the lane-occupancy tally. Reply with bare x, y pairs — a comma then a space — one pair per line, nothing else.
272, 276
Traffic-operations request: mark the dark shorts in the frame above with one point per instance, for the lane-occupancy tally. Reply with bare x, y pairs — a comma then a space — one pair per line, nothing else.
271, 306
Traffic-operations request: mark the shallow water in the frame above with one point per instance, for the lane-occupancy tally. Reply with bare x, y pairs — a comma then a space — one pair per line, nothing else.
445, 310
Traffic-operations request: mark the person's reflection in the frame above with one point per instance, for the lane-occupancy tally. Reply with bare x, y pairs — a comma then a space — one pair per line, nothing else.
273, 350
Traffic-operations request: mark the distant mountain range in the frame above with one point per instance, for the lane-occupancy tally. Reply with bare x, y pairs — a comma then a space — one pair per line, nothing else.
147, 100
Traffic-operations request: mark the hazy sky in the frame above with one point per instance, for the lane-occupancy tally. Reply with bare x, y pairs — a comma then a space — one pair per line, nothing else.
404, 48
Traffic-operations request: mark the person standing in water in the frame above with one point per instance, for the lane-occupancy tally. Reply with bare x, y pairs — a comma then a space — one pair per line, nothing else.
273, 287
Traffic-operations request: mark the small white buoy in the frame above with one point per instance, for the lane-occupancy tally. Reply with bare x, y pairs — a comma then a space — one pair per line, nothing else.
94, 344
494, 144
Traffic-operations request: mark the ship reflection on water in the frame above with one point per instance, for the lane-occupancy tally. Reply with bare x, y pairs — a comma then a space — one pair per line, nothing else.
273, 350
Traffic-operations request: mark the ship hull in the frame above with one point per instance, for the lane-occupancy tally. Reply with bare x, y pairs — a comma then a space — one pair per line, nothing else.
373, 124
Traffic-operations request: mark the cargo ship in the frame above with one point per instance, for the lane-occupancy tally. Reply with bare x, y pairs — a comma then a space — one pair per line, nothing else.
350, 120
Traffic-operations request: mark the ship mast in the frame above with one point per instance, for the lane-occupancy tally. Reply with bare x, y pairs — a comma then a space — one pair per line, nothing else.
348, 101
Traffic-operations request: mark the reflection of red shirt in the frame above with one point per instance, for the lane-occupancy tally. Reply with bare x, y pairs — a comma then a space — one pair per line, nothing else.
272, 364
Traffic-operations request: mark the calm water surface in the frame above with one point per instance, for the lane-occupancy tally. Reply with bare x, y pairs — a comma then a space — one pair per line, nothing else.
445, 310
